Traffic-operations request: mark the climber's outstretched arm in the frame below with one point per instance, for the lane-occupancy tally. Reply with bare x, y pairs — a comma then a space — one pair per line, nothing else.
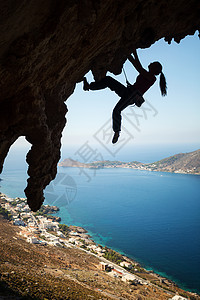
135, 62
138, 66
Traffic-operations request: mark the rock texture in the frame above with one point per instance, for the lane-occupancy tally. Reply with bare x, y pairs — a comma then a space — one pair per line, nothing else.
47, 46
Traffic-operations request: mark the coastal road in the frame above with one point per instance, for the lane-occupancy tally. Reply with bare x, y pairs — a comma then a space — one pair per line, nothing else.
125, 272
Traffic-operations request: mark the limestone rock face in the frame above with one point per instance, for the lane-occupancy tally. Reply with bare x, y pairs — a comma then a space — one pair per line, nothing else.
47, 46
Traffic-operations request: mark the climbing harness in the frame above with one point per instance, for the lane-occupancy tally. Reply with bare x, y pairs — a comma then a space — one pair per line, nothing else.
136, 98
135, 95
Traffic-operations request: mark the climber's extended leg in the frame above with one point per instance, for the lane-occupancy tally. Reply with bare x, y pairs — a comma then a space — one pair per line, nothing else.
105, 82
121, 105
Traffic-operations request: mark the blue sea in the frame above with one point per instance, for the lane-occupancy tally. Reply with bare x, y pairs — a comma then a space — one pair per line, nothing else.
152, 217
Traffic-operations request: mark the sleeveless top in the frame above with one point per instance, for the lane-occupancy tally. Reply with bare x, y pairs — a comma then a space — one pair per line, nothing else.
142, 84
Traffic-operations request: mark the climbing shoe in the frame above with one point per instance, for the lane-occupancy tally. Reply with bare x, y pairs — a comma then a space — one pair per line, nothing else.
86, 85
115, 137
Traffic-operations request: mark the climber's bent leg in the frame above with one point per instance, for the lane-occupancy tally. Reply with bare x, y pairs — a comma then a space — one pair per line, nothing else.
109, 82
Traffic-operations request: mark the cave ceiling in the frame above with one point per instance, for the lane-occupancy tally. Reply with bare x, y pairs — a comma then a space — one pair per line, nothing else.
47, 46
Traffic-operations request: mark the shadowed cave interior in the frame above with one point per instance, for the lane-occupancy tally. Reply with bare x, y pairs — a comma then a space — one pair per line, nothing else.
47, 47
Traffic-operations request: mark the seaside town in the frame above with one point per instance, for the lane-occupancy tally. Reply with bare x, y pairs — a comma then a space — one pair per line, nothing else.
146, 167
183, 163
44, 229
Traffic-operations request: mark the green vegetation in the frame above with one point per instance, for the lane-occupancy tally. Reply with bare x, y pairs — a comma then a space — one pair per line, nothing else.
183, 294
105, 163
139, 270
85, 247
46, 209
193, 297
14, 203
25, 219
19, 200
83, 241
167, 288
39, 213
6, 214
92, 251
43, 237
64, 229
113, 256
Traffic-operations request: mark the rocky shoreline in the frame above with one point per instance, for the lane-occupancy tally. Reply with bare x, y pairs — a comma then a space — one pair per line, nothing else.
42, 229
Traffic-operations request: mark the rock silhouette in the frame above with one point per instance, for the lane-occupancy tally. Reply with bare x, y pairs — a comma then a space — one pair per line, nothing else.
48, 46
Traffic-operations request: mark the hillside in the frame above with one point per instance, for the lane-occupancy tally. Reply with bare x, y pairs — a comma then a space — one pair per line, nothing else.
68, 162
187, 163
31, 271
181, 163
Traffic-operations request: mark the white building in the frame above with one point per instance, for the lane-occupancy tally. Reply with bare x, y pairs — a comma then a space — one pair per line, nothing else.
55, 243
48, 224
33, 240
25, 215
19, 222
72, 240
74, 233
60, 234
103, 266
54, 238
7, 206
177, 297
20, 205
8, 199
97, 249
26, 208
113, 274
126, 264
128, 277
31, 223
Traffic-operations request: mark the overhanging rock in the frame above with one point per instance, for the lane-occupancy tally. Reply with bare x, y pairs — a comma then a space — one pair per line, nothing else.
47, 47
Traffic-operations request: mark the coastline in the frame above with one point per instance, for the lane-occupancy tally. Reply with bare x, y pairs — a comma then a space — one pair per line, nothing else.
149, 269
82, 239
161, 275
126, 166
182, 163
131, 168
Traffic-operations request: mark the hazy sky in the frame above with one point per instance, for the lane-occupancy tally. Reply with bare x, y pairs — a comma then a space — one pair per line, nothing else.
171, 120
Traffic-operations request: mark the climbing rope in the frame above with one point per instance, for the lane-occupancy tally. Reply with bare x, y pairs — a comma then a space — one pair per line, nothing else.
127, 82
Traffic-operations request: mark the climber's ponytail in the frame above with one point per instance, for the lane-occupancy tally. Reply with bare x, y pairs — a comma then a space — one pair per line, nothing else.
163, 84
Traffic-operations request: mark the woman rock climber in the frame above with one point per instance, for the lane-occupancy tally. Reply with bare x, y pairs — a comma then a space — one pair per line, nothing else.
132, 94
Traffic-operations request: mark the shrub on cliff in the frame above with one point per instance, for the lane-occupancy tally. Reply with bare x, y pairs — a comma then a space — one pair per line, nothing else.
5, 213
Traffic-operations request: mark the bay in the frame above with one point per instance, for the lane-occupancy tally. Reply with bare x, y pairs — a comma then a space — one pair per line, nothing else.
152, 217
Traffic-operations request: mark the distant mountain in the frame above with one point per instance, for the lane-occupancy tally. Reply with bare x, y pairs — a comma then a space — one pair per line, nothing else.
187, 163
180, 163
68, 162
